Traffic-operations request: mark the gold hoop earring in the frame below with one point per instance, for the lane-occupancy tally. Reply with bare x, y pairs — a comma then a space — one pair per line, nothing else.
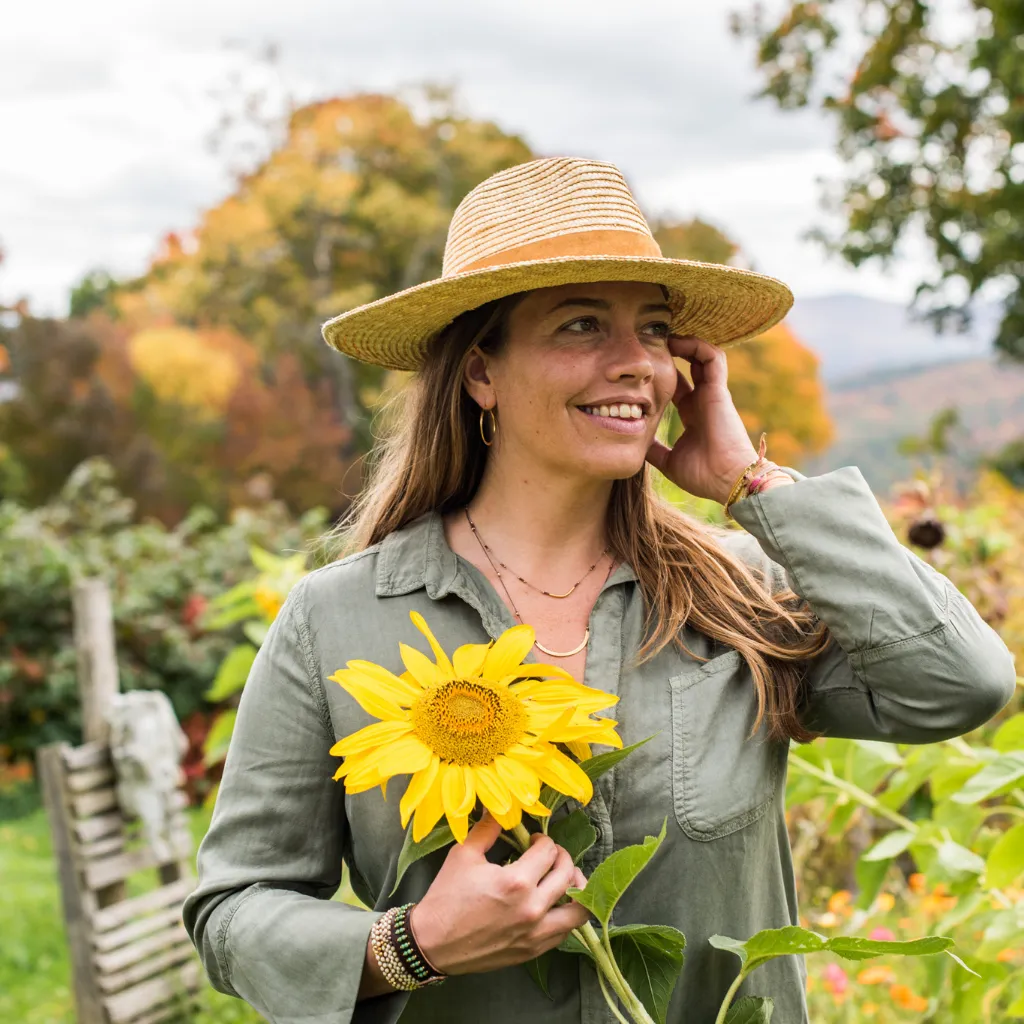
494, 426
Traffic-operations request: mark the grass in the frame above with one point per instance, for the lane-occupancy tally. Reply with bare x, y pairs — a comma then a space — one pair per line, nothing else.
35, 973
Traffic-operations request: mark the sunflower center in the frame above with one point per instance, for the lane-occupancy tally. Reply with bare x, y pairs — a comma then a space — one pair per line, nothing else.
468, 722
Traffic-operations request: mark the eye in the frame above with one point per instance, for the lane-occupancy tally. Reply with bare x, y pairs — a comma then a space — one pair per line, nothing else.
582, 325
657, 328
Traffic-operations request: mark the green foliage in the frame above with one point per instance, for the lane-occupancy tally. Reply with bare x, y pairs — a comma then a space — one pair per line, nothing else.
161, 581
438, 838
926, 101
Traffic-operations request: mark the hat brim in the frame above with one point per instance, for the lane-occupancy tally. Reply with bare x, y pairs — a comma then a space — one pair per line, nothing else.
723, 305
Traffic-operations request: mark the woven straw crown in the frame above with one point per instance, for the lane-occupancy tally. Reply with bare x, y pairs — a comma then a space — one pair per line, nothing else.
546, 223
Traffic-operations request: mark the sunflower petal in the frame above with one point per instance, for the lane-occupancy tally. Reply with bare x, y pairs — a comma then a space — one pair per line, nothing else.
369, 698
580, 749
509, 819
538, 670
459, 824
425, 671
420, 782
442, 659
508, 652
564, 775
428, 813
403, 689
521, 780
453, 789
538, 810
468, 660
493, 792
370, 736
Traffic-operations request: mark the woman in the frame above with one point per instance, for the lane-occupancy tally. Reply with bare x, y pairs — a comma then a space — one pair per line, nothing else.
514, 488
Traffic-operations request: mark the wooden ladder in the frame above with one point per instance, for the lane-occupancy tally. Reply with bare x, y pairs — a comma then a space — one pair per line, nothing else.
132, 961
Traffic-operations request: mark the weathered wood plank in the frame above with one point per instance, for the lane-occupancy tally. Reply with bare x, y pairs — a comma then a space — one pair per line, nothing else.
87, 804
136, 929
104, 824
121, 913
50, 762
100, 873
127, 1006
177, 954
170, 1012
115, 842
88, 755
93, 778
126, 956
96, 658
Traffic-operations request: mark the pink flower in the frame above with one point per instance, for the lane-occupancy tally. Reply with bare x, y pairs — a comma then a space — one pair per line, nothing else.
836, 980
882, 935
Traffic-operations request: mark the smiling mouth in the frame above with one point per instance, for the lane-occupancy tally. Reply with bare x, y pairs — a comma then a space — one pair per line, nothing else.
621, 410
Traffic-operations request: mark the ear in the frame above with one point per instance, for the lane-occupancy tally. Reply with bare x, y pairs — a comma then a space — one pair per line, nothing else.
476, 379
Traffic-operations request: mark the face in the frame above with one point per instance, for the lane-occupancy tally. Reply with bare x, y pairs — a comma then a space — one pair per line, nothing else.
579, 364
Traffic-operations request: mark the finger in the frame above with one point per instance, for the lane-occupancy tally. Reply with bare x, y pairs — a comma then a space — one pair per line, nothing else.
552, 887
657, 455
538, 859
683, 388
579, 880
561, 920
707, 362
482, 836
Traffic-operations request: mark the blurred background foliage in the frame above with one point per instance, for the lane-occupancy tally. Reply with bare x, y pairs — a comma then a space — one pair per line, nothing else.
188, 435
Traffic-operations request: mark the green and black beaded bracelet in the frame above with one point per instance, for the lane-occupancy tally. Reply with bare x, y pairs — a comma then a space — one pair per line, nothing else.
415, 964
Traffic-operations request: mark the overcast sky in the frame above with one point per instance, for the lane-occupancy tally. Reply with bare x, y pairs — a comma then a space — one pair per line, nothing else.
105, 107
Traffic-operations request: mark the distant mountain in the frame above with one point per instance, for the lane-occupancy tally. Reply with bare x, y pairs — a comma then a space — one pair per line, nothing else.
855, 335
873, 412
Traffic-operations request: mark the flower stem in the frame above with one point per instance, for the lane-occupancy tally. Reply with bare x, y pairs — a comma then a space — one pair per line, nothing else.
720, 1019
610, 999
607, 966
522, 837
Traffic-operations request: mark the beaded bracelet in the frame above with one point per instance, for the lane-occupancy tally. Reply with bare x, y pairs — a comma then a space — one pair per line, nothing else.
754, 478
400, 958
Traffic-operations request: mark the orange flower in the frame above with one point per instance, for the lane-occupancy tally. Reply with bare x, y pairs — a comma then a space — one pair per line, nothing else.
906, 922
1007, 955
869, 1009
884, 902
268, 601
938, 901
839, 902
916, 882
904, 997
877, 974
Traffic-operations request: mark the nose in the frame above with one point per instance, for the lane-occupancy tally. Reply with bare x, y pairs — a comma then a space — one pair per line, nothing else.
629, 358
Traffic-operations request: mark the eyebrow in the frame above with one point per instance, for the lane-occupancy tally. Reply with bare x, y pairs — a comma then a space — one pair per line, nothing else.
652, 307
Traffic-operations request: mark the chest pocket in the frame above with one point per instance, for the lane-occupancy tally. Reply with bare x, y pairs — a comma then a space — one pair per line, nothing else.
721, 779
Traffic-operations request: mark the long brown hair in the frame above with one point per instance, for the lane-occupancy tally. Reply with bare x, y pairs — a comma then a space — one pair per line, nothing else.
431, 457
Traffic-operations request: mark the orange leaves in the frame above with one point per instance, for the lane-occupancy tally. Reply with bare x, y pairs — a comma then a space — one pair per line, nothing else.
774, 382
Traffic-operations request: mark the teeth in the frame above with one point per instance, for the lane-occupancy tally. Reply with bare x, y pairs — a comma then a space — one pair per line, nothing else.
620, 411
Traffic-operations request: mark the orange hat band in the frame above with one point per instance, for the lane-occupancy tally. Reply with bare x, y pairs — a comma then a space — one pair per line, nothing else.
603, 242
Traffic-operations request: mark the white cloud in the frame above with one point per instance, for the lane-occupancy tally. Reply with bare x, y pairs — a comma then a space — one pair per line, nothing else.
109, 106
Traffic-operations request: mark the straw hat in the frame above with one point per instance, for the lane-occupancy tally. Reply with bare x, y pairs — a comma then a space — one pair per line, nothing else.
552, 222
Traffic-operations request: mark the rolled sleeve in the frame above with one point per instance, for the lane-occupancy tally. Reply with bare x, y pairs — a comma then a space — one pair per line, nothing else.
262, 917
915, 662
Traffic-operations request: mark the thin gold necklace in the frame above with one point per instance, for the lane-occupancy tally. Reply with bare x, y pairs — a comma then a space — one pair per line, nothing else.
487, 552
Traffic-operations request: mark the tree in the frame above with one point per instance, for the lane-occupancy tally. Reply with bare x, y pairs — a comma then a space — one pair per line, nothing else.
773, 380
353, 205
928, 99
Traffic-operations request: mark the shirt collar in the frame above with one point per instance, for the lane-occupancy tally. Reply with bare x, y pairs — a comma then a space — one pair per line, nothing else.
418, 556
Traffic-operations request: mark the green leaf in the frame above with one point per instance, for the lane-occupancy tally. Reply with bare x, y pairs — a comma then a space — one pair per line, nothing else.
1003, 771
574, 833
570, 944
595, 767
215, 745
256, 632
232, 674
613, 876
1006, 859
539, 968
852, 948
768, 944
412, 851
751, 1010
870, 877
264, 560
1010, 735
889, 846
957, 860
650, 957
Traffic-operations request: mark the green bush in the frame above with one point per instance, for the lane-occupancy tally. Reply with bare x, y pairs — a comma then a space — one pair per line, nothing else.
161, 581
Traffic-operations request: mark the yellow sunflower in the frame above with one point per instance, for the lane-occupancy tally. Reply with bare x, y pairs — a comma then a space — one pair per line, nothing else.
483, 724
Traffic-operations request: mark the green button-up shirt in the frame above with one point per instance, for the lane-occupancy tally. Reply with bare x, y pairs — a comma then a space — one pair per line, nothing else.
914, 663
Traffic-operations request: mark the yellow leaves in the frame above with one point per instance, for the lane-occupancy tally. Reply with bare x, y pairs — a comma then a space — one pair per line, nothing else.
182, 367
